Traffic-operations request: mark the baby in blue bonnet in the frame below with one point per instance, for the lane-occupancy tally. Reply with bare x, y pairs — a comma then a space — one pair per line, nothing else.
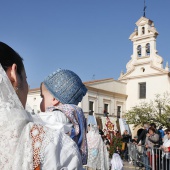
61, 92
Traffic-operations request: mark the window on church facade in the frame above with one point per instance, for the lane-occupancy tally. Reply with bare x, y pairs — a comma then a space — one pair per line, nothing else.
91, 107
143, 30
142, 90
139, 50
148, 49
118, 111
106, 107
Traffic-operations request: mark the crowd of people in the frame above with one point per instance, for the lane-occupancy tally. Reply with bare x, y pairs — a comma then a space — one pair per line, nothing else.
155, 145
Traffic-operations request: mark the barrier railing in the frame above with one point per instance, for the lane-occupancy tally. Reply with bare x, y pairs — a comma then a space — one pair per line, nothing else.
148, 158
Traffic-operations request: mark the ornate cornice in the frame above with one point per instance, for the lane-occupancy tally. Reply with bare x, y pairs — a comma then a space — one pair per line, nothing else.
106, 92
146, 75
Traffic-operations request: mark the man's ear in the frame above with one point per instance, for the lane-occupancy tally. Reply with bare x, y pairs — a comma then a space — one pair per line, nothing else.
55, 102
12, 75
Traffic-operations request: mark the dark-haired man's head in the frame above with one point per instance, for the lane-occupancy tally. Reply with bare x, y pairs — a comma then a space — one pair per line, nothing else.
146, 126
8, 57
153, 125
13, 65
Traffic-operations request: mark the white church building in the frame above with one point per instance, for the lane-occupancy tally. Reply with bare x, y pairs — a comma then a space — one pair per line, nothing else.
144, 78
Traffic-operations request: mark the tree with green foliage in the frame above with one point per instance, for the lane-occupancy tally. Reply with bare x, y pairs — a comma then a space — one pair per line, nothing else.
157, 111
116, 141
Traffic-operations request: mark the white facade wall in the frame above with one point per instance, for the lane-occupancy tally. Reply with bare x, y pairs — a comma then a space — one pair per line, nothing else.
154, 85
98, 96
110, 85
99, 99
34, 100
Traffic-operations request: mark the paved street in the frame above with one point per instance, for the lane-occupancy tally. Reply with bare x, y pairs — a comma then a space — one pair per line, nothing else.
128, 166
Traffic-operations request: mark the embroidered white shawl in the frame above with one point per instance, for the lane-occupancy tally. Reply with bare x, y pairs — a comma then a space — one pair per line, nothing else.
25, 145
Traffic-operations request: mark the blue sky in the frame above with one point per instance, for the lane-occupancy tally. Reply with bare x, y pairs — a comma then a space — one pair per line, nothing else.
89, 37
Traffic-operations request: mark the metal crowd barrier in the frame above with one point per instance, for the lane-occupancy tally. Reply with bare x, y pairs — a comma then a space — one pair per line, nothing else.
148, 159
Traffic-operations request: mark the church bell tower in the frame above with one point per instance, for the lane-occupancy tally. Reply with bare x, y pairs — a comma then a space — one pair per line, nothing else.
144, 44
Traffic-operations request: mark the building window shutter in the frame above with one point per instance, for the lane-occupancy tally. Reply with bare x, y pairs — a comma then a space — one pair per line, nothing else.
142, 90
91, 106
118, 111
106, 106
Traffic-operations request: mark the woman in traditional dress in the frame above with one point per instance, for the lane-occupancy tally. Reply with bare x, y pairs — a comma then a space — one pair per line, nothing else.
25, 145
98, 158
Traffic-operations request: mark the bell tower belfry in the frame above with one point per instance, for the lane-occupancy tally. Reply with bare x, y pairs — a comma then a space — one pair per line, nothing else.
144, 44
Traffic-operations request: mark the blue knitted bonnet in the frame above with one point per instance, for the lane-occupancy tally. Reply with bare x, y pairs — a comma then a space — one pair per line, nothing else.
65, 86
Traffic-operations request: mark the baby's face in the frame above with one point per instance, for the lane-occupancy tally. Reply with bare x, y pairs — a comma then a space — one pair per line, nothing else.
47, 98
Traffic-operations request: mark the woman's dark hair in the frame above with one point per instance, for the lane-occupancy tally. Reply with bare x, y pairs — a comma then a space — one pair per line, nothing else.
152, 129
8, 57
153, 125
167, 130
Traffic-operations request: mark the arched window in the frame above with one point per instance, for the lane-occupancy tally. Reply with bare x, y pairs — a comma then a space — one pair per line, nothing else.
139, 50
143, 30
147, 49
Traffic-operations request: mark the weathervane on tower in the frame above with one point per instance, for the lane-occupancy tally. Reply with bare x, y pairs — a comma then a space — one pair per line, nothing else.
144, 9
